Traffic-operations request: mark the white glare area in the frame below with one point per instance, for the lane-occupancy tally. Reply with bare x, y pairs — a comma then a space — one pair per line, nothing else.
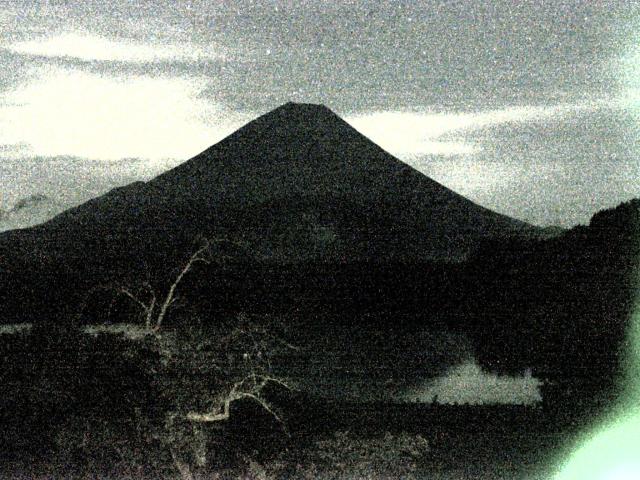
80, 114
469, 384
609, 454
470, 177
410, 134
94, 48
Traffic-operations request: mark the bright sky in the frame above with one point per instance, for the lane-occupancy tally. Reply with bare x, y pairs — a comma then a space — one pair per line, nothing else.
529, 110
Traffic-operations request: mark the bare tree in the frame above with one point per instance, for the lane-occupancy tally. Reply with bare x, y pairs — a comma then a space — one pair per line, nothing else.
204, 369
154, 305
155, 311
241, 362
255, 375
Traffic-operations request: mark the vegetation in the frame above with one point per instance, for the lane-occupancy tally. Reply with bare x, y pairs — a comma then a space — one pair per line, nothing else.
347, 455
140, 396
179, 380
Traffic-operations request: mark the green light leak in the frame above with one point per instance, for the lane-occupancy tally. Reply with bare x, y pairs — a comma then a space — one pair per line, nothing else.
612, 451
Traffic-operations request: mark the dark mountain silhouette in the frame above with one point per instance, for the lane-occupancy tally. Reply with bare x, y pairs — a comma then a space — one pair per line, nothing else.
297, 184
331, 227
349, 250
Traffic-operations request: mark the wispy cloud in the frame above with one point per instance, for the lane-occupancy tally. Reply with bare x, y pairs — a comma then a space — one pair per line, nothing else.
87, 47
414, 134
69, 112
28, 211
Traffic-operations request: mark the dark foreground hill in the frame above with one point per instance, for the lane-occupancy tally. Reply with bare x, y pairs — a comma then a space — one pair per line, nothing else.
563, 306
297, 185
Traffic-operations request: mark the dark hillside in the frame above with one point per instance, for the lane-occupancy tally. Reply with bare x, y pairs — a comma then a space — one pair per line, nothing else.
295, 185
561, 306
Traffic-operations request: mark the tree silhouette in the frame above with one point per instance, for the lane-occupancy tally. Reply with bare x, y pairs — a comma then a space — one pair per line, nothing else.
202, 369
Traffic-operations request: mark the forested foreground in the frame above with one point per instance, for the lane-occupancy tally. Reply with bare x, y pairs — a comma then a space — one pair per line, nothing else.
188, 385
198, 402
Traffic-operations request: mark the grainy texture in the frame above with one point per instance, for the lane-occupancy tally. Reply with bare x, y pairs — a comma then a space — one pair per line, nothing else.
528, 108
370, 265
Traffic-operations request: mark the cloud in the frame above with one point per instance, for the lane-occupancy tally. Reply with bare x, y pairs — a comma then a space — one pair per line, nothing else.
415, 134
28, 211
68, 181
95, 48
66, 112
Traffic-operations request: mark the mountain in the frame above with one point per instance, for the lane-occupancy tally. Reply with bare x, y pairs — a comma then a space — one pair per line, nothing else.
297, 184
360, 254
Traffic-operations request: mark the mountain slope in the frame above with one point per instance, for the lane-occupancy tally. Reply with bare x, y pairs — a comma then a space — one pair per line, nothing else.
295, 185
298, 183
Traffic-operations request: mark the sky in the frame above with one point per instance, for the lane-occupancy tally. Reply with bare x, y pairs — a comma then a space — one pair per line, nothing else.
529, 108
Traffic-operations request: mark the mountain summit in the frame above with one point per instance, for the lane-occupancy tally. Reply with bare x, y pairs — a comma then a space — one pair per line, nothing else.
300, 183
296, 184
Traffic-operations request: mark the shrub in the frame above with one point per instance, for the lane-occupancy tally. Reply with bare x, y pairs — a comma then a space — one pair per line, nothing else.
345, 455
